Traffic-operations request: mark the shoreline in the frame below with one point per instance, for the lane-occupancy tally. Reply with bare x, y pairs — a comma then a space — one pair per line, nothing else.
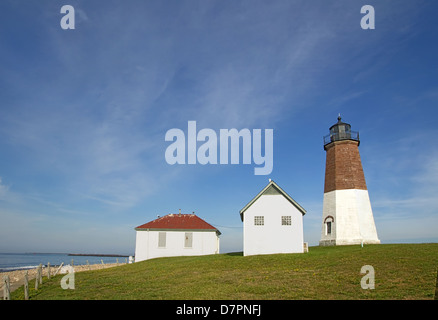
16, 277
97, 255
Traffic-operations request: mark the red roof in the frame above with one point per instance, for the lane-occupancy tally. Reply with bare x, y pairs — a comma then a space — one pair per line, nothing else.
178, 221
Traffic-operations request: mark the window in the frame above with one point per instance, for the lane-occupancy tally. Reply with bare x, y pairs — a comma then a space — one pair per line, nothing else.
328, 221
329, 227
161, 239
259, 220
286, 220
188, 239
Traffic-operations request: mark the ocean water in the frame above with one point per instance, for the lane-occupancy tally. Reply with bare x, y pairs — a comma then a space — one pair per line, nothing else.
16, 261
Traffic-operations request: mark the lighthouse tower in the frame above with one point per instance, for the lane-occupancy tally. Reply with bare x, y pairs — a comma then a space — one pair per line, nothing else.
347, 216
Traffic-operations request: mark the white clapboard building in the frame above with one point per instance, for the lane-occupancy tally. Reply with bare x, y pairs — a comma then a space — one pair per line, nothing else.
175, 235
272, 223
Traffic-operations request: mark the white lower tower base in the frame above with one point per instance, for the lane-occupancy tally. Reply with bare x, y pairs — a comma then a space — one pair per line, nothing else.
347, 218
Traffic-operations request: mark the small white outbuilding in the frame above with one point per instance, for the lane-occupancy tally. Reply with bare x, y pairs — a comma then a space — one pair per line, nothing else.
272, 223
176, 235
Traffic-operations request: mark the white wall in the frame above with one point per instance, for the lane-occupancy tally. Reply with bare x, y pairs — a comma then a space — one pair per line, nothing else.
146, 244
353, 218
272, 237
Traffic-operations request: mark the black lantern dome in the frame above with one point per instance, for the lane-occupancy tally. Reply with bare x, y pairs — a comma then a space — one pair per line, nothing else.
341, 131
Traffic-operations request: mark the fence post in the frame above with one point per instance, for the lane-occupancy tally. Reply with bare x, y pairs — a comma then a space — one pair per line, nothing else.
26, 286
59, 268
6, 288
37, 279
40, 273
48, 270
436, 285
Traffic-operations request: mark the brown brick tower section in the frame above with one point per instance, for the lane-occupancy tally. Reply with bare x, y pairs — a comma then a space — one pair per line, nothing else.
343, 169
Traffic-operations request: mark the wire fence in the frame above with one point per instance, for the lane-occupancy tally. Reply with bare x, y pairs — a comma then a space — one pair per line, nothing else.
49, 272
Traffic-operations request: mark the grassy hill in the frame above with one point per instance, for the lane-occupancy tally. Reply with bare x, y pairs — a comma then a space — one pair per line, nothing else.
402, 271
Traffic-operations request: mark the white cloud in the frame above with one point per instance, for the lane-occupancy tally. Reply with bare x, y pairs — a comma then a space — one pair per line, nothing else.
403, 189
81, 15
3, 189
341, 100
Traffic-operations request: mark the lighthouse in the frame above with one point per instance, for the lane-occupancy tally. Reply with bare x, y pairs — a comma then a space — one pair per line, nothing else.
347, 216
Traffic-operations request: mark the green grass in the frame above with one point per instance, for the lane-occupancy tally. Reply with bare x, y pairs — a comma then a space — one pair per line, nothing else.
402, 271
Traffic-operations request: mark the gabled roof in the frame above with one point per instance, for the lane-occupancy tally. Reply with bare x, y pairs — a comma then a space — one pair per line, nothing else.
178, 222
272, 189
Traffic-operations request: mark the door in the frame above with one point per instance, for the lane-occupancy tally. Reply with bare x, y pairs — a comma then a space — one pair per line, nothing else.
188, 239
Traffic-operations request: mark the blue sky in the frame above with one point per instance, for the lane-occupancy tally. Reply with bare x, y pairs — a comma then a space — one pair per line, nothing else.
84, 113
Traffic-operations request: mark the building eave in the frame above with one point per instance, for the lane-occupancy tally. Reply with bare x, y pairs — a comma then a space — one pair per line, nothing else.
173, 229
282, 192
